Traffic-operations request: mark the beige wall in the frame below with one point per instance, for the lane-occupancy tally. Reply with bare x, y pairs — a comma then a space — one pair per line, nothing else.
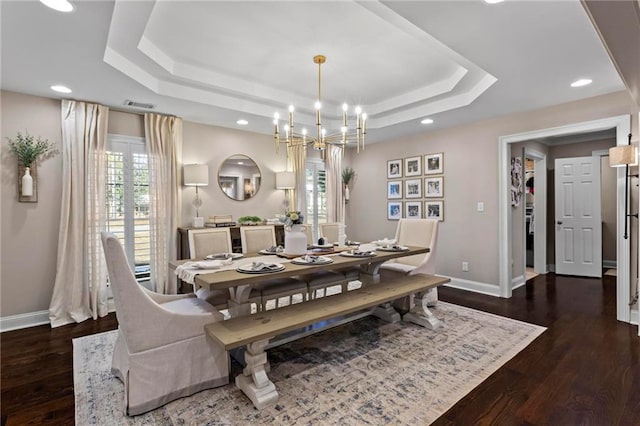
471, 175
30, 231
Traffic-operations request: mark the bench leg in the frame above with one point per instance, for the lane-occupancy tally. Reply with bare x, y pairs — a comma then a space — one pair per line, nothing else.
420, 313
254, 381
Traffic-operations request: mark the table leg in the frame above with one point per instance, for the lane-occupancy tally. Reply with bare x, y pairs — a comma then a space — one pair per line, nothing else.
370, 275
254, 381
420, 314
239, 302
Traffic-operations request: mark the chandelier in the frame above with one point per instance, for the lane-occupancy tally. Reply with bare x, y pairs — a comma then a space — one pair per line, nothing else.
346, 135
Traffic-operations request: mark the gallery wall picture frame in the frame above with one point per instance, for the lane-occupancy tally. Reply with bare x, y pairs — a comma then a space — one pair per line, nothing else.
413, 209
413, 166
434, 209
413, 188
394, 189
394, 210
394, 169
434, 187
434, 163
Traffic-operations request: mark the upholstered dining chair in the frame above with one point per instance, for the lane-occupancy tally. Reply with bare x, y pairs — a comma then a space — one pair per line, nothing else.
254, 239
203, 242
416, 232
161, 352
329, 231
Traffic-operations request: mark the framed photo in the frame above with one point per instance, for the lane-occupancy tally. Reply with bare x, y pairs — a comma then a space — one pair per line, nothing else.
434, 187
394, 189
434, 210
394, 169
413, 166
434, 164
413, 188
394, 210
413, 209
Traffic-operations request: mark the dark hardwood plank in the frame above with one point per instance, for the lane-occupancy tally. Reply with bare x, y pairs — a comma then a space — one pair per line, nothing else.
585, 369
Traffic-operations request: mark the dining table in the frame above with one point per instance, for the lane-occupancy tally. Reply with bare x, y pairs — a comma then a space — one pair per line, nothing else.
227, 276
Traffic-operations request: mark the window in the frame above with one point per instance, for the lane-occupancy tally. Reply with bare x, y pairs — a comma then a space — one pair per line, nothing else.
127, 200
316, 195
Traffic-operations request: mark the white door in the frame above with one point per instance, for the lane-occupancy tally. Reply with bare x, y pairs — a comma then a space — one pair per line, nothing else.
578, 223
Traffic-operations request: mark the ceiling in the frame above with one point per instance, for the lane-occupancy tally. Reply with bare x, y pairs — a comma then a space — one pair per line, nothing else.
215, 62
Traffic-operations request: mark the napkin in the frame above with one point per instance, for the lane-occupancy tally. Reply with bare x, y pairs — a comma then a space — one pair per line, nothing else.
366, 247
311, 258
362, 253
274, 249
188, 270
261, 266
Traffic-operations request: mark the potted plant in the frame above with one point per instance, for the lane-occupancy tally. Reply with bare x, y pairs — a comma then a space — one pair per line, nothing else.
249, 220
347, 175
27, 149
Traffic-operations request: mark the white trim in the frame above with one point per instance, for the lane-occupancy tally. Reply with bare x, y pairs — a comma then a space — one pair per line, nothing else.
17, 322
518, 281
474, 286
611, 264
634, 317
540, 213
622, 124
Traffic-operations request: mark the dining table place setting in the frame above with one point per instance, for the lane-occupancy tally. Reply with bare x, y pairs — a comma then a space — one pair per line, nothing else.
224, 256
258, 267
272, 250
312, 259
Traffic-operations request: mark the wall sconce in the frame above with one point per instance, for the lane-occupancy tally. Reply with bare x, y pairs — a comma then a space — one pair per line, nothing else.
286, 181
625, 156
196, 175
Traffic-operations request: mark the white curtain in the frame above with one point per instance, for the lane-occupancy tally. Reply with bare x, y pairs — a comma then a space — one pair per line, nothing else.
333, 173
80, 289
164, 145
297, 157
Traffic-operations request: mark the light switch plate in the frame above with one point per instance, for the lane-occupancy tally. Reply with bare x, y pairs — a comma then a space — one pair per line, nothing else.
480, 206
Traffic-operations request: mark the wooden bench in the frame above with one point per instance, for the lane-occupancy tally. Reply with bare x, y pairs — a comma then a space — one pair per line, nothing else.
254, 331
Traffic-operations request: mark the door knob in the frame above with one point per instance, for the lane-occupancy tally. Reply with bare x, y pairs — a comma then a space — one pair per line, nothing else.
559, 222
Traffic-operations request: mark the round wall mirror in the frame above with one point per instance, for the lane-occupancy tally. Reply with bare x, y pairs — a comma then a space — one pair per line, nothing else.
239, 177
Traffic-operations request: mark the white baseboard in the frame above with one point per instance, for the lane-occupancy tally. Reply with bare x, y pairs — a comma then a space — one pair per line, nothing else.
475, 286
518, 282
32, 319
16, 322
551, 267
634, 318
612, 264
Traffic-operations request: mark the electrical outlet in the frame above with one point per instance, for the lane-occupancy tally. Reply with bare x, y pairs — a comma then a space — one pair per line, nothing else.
465, 266
480, 206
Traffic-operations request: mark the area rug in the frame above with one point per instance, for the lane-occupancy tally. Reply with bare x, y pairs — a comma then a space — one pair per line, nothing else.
364, 372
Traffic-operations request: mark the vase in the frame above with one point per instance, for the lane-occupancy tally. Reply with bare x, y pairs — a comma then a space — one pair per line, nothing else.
27, 183
295, 240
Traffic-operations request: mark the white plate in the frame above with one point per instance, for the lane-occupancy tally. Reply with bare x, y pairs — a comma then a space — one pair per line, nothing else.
268, 253
321, 260
398, 248
322, 246
248, 269
222, 256
351, 253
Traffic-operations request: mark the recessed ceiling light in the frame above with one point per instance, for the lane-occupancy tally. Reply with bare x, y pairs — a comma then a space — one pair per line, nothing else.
493, 1
242, 122
427, 121
59, 5
61, 89
581, 82
241, 162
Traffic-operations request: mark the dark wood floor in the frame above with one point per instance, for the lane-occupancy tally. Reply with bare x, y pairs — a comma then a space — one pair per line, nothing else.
584, 370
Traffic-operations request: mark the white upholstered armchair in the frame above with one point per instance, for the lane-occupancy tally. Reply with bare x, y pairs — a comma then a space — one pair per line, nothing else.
161, 352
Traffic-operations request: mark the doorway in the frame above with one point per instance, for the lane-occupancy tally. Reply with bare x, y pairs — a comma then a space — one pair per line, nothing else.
622, 125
